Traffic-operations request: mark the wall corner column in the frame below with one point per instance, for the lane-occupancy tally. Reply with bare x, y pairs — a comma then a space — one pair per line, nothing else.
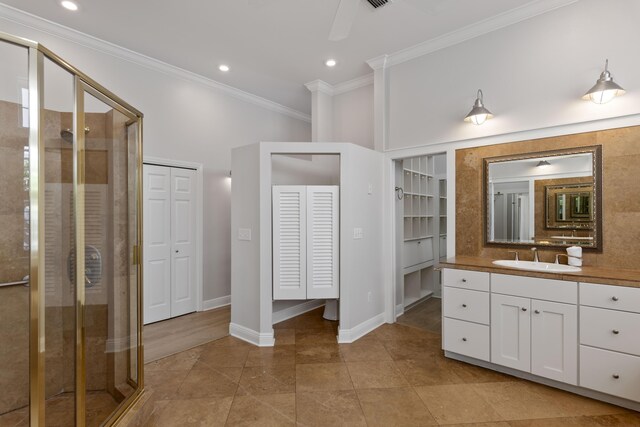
380, 102
321, 111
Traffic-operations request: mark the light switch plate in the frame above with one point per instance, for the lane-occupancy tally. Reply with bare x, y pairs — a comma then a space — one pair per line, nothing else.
358, 233
244, 234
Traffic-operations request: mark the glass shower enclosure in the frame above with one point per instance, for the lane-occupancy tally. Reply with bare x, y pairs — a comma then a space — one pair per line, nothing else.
70, 239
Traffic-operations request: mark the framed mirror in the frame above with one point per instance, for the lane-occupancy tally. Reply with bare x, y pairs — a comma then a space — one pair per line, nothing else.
551, 198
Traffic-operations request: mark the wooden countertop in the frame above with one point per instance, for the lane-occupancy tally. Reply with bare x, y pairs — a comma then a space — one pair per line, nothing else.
588, 274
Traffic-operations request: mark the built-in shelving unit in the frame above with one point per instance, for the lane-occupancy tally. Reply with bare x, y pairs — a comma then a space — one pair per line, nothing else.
419, 190
442, 208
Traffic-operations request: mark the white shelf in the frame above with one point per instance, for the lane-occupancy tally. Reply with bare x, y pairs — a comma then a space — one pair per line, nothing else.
411, 301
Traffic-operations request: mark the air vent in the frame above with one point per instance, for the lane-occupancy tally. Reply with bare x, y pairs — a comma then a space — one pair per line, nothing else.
378, 3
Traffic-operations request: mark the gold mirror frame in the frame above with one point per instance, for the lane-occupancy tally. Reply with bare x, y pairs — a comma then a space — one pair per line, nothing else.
594, 150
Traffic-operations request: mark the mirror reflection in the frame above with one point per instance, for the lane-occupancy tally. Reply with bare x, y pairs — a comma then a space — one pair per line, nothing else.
542, 200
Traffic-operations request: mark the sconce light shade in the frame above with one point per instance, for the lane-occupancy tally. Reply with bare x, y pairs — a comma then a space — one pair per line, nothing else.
543, 163
605, 88
478, 114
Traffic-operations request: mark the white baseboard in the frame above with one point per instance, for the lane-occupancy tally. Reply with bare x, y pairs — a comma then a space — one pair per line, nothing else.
251, 336
346, 336
210, 304
399, 310
296, 310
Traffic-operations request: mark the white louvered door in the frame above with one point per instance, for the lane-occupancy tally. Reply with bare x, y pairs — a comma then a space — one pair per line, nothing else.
289, 242
305, 242
322, 242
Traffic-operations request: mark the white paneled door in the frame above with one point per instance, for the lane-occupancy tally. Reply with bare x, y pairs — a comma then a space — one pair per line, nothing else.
322, 242
169, 242
511, 331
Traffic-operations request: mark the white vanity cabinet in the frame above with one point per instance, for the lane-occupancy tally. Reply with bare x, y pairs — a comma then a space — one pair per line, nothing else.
610, 340
466, 313
537, 335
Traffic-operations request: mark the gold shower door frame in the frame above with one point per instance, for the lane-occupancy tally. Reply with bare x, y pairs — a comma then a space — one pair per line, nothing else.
82, 84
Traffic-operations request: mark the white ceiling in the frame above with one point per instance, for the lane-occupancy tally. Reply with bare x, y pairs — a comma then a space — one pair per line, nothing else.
272, 46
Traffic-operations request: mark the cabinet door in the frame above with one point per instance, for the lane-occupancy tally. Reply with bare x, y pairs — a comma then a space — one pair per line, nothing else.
554, 341
510, 331
322, 242
183, 236
289, 242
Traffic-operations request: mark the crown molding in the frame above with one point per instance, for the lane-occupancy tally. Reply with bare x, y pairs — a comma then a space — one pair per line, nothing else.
57, 30
320, 86
477, 29
353, 84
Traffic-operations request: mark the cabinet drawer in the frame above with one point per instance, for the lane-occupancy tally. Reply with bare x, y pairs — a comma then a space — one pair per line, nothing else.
466, 279
613, 297
417, 251
533, 287
464, 304
469, 339
609, 372
610, 329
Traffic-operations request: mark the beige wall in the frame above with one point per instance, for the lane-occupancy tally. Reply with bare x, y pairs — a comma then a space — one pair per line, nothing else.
621, 195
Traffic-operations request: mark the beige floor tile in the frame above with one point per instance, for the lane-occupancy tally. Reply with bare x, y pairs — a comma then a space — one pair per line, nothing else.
631, 419
394, 407
271, 356
473, 374
165, 385
267, 380
429, 371
520, 400
224, 357
178, 362
15, 418
411, 349
285, 336
322, 376
364, 350
263, 410
314, 320
376, 375
575, 405
193, 412
398, 332
318, 353
457, 403
204, 381
315, 336
329, 408
227, 341
489, 424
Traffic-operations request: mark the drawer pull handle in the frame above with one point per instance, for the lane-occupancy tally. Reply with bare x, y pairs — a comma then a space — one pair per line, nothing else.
615, 332
616, 376
537, 312
464, 305
464, 280
524, 309
614, 298
464, 339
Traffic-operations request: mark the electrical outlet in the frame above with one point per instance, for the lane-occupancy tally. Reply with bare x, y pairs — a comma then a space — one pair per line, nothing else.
244, 234
358, 233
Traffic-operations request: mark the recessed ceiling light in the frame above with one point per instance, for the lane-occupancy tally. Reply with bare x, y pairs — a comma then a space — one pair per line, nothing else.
330, 63
223, 68
69, 5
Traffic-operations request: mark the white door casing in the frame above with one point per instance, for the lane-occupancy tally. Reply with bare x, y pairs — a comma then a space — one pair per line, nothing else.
554, 341
289, 242
511, 331
157, 243
183, 236
322, 242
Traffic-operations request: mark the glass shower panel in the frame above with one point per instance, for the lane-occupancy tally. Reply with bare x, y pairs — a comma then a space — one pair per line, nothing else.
14, 235
59, 246
110, 238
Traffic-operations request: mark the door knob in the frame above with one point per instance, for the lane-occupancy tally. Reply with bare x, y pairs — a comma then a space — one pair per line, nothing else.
615, 332
524, 309
616, 376
614, 298
464, 280
177, 251
537, 311
464, 339
464, 305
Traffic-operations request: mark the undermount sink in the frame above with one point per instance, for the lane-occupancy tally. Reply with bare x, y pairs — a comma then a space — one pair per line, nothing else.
547, 267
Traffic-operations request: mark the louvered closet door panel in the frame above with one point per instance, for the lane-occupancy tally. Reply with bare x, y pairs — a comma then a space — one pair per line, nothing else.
289, 243
322, 242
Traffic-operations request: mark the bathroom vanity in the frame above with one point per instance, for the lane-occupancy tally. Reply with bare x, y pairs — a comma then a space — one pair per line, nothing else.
576, 331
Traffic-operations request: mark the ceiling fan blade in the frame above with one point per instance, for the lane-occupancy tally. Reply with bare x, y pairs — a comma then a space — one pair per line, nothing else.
346, 14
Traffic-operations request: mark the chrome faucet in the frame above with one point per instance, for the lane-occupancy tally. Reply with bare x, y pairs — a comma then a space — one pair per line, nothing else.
517, 255
558, 258
535, 255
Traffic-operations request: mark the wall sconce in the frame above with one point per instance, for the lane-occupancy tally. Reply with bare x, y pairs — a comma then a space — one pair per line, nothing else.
605, 89
543, 163
478, 114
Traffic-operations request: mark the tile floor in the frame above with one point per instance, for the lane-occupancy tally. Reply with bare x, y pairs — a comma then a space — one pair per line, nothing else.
426, 315
395, 376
